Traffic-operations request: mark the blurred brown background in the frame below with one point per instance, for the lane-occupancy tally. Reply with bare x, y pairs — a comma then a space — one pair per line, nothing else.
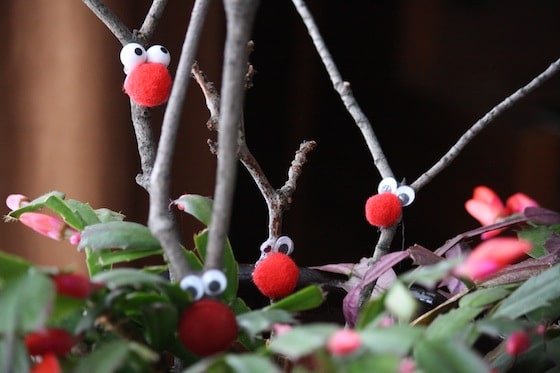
423, 71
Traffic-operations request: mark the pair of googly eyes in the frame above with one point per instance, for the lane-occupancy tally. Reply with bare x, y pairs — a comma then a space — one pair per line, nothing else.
282, 244
134, 54
212, 283
405, 193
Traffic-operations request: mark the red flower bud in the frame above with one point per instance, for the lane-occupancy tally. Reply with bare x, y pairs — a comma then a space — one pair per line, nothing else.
383, 210
517, 343
207, 327
49, 364
276, 275
73, 285
53, 341
344, 342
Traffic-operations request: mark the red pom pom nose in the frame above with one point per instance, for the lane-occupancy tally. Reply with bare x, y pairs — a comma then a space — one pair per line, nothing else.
383, 210
148, 84
207, 327
276, 275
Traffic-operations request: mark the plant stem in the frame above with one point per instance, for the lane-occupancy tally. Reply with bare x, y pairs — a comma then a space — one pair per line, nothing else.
161, 221
239, 16
113, 23
152, 19
482, 123
141, 120
344, 91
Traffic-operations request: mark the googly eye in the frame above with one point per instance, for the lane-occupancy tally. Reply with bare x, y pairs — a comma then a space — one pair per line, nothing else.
214, 281
388, 184
266, 246
194, 285
284, 244
159, 54
132, 55
406, 194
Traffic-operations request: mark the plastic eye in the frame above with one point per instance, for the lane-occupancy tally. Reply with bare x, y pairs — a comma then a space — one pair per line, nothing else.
214, 281
284, 245
266, 246
132, 55
159, 54
406, 194
193, 284
388, 184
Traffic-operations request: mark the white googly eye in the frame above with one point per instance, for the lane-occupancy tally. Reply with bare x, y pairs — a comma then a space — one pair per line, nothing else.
266, 246
284, 245
132, 55
193, 284
214, 281
406, 194
159, 54
388, 184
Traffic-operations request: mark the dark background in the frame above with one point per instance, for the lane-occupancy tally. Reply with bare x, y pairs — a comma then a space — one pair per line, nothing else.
422, 71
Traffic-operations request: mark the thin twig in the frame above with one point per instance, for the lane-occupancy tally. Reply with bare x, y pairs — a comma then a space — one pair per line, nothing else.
239, 19
161, 222
344, 91
152, 19
277, 201
141, 120
482, 123
113, 23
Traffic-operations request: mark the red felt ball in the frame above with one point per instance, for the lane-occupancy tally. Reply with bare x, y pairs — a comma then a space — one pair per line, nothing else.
149, 84
383, 210
73, 285
207, 327
276, 275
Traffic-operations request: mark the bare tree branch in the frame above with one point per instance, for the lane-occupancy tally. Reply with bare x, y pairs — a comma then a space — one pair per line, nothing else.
161, 222
113, 23
277, 201
152, 19
482, 123
344, 91
141, 120
239, 16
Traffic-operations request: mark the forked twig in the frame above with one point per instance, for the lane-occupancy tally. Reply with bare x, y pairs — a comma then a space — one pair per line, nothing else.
277, 200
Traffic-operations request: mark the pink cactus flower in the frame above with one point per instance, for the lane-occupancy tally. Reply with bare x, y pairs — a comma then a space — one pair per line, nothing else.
16, 201
50, 226
344, 342
486, 207
491, 256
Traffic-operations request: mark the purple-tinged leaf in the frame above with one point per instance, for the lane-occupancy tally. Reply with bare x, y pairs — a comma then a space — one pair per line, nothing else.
542, 216
340, 268
351, 305
552, 245
422, 256
383, 264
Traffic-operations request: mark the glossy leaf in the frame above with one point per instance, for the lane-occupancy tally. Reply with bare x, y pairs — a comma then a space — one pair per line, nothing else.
302, 340
447, 355
127, 277
536, 292
109, 357
258, 321
198, 206
25, 302
118, 234
395, 340
305, 299
11, 266
250, 364
448, 324
484, 297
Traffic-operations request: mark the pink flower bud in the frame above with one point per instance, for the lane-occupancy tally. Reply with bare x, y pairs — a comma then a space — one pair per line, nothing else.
491, 256
407, 365
280, 328
16, 201
344, 342
50, 226
517, 343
